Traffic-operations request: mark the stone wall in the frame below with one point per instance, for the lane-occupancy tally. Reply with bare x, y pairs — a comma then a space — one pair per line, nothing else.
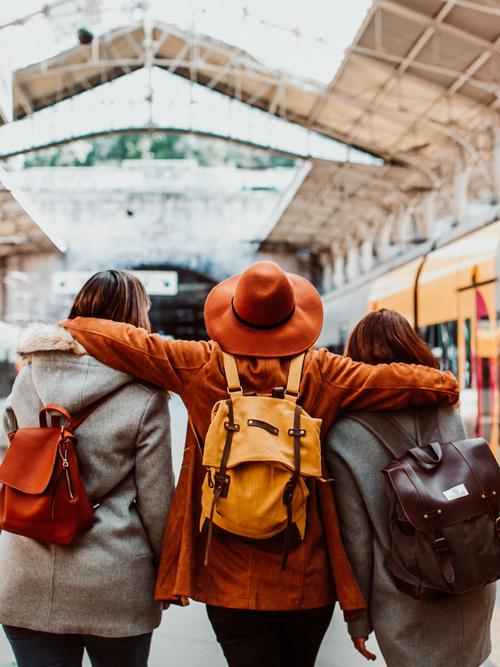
143, 213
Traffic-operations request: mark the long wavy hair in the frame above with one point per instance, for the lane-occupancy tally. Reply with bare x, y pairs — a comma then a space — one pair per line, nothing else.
384, 336
113, 295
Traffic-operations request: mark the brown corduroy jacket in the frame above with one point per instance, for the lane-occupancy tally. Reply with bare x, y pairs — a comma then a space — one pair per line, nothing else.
243, 574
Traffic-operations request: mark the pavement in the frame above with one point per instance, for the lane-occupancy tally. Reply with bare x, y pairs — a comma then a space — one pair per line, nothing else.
185, 637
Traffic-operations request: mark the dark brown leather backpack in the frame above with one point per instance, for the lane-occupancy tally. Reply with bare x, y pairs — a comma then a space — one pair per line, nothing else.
445, 508
42, 494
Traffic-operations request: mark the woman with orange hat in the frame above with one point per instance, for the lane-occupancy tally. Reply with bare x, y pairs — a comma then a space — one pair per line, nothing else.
261, 614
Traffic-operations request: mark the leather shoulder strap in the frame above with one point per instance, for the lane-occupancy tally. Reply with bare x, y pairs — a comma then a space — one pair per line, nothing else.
294, 375
232, 377
90, 409
427, 425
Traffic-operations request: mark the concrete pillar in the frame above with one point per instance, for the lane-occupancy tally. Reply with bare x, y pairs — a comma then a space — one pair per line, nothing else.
428, 215
327, 280
383, 241
352, 263
460, 186
496, 165
339, 277
366, 253
404, 228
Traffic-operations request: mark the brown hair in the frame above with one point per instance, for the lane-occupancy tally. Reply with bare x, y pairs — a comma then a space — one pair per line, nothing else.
113, 295
384, 336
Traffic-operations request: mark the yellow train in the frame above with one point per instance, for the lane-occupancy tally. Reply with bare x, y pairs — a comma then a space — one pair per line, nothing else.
452, 296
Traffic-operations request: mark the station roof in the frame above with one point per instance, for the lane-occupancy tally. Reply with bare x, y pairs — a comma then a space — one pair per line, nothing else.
22, 229
419, 87
342, 191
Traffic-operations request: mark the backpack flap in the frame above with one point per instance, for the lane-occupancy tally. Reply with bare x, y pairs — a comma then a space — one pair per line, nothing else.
463, 483
32, 450
263, 435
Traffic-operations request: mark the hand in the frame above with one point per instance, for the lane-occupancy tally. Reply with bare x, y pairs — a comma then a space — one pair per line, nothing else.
360, 645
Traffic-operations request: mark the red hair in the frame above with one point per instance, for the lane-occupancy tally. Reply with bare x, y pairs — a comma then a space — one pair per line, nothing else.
384, 336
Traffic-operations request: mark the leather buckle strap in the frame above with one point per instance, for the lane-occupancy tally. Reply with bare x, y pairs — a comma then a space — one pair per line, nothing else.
497, 526
441, 544
231, 427
221, 484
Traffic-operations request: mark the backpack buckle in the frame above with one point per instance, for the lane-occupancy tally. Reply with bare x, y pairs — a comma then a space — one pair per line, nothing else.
497, 526
221, 483
441, 544
288, 492
231, 427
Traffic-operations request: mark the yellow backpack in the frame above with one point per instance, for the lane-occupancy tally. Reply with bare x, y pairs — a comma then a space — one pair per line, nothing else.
258, 451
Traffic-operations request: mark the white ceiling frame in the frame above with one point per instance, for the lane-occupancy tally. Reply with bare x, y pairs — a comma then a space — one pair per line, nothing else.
320, 102
429, 21
492, 89
405, 64
478, 62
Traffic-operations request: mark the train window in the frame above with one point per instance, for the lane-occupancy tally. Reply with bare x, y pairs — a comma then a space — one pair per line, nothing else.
468, 358
442, 338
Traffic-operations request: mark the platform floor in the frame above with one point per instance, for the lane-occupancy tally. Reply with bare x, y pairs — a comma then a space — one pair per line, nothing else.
185, 637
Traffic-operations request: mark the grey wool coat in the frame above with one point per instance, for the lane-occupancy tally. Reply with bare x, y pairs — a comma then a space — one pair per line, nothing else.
103, 583
411, 633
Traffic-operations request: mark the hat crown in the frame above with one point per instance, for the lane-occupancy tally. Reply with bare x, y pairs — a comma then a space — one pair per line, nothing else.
264, 295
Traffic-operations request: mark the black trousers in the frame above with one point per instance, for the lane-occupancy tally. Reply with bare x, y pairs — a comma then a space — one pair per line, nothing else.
47, 649
270, 638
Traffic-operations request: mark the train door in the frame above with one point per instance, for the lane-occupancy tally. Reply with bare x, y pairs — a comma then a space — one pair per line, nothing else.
478, 362
466, 325
485, 367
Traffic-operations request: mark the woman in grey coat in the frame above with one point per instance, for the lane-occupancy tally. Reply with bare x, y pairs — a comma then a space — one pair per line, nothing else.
411, 633
98, 592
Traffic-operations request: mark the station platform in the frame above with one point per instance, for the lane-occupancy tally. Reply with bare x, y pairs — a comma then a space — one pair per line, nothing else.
185, 637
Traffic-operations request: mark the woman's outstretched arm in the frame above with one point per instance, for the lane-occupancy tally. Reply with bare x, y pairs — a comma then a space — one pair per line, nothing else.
169, 364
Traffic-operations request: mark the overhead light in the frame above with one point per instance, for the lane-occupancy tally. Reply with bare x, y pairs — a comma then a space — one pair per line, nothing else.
85, 36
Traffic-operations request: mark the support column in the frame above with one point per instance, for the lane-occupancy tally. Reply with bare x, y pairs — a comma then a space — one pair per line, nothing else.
460, 186
339, 277
383, 241
366, 254
426, 217
496, 165
352, 263
403, 228
3, 288
327, 277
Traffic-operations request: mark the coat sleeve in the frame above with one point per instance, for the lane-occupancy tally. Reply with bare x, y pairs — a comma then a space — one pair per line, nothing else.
357, 386
169, 364
154, 476
357, 532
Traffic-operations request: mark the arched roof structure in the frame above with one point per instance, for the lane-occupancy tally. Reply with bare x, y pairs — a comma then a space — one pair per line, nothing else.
419, 88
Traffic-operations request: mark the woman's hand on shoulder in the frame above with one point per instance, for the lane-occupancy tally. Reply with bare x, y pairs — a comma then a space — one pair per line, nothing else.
360, 646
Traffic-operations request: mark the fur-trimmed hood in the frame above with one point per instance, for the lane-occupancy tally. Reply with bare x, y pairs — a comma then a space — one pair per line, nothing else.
38, 337
61, 370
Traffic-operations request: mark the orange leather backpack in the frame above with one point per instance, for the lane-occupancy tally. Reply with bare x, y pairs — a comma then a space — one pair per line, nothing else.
42, 494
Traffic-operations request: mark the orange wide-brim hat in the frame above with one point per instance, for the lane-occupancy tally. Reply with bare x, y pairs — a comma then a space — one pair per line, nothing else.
264, 312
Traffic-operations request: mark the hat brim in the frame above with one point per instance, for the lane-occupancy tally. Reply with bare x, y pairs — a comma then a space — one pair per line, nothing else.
296, 335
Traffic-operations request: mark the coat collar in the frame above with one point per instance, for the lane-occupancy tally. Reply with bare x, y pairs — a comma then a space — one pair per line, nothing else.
38, 337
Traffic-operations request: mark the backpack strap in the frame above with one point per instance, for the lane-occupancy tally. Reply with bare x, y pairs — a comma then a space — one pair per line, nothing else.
297, 432
387, 430
294, 375
62, 412
232, 377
